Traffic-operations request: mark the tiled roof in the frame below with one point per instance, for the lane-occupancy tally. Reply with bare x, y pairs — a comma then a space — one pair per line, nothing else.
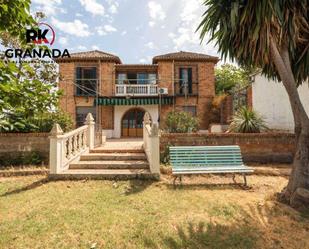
91, 55
184, 56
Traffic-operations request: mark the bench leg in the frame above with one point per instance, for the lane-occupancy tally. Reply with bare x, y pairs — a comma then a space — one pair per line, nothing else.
234, 179
245, 180
174, 181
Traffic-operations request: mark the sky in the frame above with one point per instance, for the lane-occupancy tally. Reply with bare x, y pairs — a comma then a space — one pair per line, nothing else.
135, 30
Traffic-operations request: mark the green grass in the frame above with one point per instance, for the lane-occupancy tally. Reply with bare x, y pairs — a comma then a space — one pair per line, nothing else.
134, 214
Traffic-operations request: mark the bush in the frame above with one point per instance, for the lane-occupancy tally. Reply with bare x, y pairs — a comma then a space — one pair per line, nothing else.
247, 121
181, 122
39, 123
45, 122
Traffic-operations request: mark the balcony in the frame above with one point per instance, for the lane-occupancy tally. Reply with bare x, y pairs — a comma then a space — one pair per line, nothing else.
136, 90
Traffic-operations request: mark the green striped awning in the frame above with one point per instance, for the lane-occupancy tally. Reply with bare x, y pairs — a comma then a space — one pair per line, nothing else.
134, 101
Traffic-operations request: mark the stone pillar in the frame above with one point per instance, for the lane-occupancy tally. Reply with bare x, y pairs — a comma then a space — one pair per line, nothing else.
91, 130
154, 149
55, 150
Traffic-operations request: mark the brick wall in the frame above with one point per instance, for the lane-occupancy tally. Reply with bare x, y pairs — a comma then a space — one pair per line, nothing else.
261, 148
69, 102
14, 145
203, 73
66, 84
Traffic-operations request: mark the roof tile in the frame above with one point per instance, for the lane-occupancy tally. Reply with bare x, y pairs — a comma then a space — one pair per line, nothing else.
184, 56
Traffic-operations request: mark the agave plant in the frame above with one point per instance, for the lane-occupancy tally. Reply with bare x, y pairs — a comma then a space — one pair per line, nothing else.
247, 121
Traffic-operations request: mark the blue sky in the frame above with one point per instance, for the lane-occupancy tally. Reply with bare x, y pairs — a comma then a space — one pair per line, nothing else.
135, 30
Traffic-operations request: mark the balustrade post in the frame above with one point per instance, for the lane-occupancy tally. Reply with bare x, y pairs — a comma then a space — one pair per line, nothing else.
56, 149
154, 148
91, 132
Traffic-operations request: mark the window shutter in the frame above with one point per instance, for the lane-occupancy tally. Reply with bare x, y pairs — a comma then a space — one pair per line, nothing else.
78, 74
190, 80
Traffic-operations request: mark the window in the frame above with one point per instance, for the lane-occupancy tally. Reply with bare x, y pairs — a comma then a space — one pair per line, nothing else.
152, 78
86, 81
81, 114
132, 78
190, 109
122, 77
137, 78
142, 78
185, 80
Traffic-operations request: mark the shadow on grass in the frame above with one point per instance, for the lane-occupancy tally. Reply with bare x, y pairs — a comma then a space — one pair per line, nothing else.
209, 186
210, 235
263, 226
33, 185
137, 186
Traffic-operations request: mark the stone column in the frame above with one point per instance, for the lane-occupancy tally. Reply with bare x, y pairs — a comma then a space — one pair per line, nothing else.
55, 150
91, 130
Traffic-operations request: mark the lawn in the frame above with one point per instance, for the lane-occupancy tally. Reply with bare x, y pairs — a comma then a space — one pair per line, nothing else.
207, 212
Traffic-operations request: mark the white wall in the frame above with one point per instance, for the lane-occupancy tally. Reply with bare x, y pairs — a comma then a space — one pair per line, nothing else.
120, 110
270, 99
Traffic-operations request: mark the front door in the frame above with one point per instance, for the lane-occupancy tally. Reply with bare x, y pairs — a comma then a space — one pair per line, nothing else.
132, 123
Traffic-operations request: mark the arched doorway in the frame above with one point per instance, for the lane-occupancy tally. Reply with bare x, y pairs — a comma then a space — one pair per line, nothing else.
132, 123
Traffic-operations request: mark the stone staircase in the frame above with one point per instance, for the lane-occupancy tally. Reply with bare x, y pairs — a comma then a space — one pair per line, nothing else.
117, 159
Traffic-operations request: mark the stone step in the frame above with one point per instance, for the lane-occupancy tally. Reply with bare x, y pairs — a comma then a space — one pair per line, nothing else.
117, 150
112, 156
129, 164
107, 174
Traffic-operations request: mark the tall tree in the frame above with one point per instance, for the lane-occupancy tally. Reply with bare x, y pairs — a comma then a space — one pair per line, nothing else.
274, 36
228, 77
28, 90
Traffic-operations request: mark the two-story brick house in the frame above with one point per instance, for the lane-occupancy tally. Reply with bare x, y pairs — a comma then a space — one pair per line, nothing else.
119, 94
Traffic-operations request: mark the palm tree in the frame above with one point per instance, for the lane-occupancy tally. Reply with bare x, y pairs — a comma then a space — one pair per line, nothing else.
273, 36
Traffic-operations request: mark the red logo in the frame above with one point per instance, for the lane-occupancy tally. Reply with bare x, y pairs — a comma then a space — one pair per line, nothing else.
40, 36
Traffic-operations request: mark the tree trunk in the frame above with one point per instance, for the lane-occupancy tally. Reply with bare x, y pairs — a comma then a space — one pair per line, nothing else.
299, 178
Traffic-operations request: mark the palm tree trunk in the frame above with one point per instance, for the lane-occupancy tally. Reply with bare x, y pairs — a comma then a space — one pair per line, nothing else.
299, 178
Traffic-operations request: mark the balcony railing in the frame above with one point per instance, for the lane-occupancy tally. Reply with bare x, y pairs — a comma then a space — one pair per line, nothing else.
136, 90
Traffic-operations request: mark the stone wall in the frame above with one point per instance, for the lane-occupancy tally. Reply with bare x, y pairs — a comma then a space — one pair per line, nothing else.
260, 148
17, 147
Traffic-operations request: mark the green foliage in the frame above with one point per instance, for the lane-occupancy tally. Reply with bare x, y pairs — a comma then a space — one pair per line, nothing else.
47, 120
28, 95
14, 17
242, 31
247, 121
42, 122
229, 76
181, 122
28, 90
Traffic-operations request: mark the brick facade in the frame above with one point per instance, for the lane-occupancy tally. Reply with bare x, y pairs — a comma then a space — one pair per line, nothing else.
167, 74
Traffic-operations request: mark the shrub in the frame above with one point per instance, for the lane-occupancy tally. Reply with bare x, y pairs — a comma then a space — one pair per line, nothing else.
247, 121
45, 122
39, 123
181, 122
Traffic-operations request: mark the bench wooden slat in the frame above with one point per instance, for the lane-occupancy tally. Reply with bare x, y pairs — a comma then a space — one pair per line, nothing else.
207, 159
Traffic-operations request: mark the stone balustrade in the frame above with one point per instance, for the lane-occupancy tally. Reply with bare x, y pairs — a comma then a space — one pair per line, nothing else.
67, 147
151, 144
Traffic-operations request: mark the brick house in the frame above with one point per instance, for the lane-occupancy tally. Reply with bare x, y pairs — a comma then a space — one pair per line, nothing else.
119, 94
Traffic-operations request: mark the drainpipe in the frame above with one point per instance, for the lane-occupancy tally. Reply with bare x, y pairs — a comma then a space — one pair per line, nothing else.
173, 85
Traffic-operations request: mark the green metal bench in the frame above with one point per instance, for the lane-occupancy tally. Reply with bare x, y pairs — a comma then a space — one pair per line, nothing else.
187, 160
